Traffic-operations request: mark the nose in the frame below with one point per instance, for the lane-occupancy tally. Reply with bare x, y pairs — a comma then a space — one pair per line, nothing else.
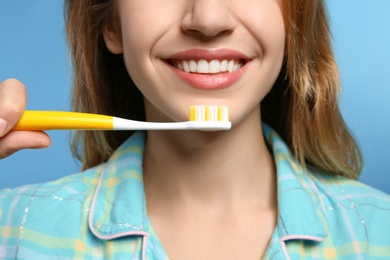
208, 18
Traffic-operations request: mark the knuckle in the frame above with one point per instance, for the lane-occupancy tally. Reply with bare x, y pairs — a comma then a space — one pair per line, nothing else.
11, 107
12, 97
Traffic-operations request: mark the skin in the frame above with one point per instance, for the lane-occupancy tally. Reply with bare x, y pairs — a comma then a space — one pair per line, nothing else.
220, 192
12, 105
219, 195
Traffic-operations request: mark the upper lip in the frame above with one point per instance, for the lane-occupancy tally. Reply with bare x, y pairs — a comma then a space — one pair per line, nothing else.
208, 54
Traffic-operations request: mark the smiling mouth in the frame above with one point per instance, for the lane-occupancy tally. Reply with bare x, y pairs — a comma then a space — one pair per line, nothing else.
203, 66
208, 69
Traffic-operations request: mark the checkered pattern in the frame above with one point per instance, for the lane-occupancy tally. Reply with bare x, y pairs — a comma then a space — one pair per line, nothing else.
101, 214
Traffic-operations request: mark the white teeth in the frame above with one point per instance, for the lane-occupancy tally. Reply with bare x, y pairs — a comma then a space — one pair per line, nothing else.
215, 66
180, 66
186, 66
193, 66
209, 67
224, 65
231, 66
203, 67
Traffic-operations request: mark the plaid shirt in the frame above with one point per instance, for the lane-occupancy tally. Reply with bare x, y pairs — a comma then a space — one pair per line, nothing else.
101, 214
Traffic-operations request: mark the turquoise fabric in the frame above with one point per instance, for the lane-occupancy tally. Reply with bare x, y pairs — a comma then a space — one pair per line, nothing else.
101, 213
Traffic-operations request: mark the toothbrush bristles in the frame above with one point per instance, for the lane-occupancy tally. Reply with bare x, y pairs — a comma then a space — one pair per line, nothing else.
213, 113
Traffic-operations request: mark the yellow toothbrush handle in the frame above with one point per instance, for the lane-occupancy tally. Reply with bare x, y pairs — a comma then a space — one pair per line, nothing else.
60, 120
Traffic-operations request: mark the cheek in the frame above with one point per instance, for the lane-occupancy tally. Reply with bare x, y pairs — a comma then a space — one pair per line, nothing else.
143, 22
266, 24
142, 26
137, 44
264, 20
271, 36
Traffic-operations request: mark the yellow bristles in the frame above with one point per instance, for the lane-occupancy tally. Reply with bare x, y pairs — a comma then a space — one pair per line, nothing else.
192, 113
209, 113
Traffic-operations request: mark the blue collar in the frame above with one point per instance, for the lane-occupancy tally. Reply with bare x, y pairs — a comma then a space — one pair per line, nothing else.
119, 209
302, 213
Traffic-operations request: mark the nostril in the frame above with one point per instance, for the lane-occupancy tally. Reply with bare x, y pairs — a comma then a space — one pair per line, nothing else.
205, 34
208, 19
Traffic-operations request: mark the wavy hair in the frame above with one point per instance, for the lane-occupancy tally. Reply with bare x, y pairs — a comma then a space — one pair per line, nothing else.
302, 105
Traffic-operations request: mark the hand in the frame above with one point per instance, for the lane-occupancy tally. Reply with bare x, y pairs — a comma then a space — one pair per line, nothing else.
12, 105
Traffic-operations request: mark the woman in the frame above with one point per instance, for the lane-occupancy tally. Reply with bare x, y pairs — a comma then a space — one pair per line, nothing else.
282, 189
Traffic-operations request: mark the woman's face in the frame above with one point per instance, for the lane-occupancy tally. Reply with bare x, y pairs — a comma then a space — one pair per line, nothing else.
185, 52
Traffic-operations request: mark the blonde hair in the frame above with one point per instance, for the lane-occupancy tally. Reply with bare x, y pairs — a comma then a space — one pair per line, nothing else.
302, 105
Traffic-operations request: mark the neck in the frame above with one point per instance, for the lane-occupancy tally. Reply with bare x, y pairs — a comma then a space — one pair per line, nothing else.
221, 170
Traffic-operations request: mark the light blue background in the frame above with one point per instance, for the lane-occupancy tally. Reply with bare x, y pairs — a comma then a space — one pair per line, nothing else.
32, 49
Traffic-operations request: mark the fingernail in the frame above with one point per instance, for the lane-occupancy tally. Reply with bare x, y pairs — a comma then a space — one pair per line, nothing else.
3, 126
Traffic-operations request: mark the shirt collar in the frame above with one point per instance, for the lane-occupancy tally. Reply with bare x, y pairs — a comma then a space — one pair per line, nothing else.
119, 209
301, 211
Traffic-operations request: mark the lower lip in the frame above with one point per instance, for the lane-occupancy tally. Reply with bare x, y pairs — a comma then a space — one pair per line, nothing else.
210, 81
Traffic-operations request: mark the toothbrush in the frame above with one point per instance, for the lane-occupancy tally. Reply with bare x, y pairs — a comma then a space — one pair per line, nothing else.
202, 117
